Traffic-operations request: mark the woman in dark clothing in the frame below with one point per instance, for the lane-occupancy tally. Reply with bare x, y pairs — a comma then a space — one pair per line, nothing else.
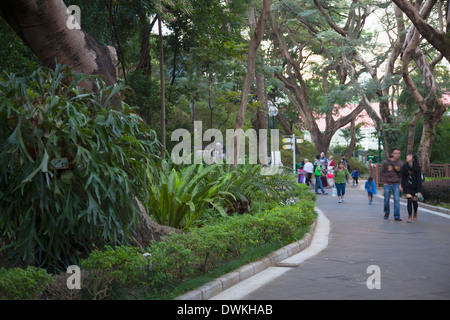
412, 183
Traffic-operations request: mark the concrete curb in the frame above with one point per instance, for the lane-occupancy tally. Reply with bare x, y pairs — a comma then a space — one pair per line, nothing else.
230, 279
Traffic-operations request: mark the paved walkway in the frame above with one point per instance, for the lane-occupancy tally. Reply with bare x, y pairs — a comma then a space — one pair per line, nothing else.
353, 242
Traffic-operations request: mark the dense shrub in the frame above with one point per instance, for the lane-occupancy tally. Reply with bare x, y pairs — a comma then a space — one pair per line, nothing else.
164, 264
436, 191
124, 271
202, 249
51, 216
23, 284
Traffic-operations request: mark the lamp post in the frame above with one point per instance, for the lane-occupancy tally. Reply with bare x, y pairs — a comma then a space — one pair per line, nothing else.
273, 111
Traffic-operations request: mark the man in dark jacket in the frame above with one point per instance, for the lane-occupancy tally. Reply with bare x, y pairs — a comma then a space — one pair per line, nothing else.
391, 177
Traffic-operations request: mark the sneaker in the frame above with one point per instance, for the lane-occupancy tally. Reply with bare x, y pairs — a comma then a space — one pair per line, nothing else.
398, 219
325, 193
343, 199
340, 201
370, 202
386, 216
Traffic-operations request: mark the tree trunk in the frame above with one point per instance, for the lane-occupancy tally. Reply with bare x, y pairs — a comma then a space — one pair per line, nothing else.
411, 131
175, 55
260, 119
431, 106
194, 100
163, 90
43, 26
145, 61
426, 142
254, 45
352, 144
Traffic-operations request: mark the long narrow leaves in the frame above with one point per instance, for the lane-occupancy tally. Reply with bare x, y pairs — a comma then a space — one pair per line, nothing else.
51, 215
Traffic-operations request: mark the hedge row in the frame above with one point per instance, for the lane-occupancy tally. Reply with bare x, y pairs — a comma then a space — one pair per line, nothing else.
436, 191
117, 271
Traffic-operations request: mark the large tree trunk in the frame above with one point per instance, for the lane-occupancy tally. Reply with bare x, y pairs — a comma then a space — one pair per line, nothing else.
431, 106
248, 81
45, 27
145, 61
411, 131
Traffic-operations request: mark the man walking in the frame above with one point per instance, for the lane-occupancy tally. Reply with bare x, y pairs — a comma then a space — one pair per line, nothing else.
391, 177
318, 173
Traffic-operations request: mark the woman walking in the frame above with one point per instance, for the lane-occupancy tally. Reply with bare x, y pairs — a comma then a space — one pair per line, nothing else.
340, 176
412, 184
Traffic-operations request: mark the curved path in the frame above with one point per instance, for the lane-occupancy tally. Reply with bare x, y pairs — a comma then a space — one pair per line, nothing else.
356, 254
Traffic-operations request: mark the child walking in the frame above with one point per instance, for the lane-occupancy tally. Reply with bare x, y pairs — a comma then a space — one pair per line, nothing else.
371, 189
355, 175
301, 174
340, 176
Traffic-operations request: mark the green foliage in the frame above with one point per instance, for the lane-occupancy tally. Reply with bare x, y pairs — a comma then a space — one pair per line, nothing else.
126, 265
179, 197
14, 55
23, 284
51, 215
124, 271
201, 249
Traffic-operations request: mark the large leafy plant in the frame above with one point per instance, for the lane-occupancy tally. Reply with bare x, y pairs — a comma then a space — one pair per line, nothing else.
179, 196
50, 216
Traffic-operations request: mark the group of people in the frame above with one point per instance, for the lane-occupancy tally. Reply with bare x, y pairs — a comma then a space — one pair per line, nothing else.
396, 176
326, 174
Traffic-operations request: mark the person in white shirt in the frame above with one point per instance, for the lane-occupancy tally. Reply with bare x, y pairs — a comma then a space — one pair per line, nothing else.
309, 169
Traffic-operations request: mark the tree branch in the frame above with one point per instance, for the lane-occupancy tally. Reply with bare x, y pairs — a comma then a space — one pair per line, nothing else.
436, 39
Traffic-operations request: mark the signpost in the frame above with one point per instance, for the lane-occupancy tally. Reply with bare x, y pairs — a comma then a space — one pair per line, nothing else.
290, 140
290, 144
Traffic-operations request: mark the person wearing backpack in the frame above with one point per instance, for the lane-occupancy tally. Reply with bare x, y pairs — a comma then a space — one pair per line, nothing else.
318, 173
412, 183
391, 177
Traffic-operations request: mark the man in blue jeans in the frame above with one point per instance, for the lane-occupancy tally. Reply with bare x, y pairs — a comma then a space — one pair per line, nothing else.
319, 173
391, 177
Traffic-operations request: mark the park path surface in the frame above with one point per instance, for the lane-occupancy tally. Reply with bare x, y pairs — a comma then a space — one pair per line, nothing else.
353, 244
